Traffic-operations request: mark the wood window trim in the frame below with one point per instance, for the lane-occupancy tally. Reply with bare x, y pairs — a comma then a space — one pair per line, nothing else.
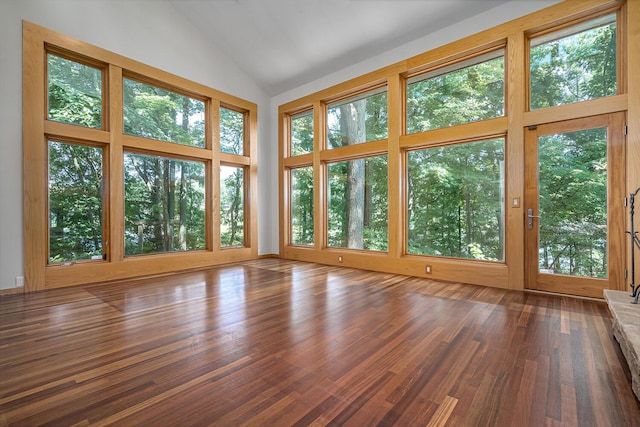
513, 37
37, 130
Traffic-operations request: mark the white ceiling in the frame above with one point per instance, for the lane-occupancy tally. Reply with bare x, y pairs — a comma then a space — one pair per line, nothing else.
283, 44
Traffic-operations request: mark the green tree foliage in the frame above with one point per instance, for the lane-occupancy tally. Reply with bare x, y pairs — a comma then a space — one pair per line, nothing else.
231, 206
302, 206
74, 92
302, 232
152, 112
164, 205
302, 134
231, 131
573, 203
75, 171
464, 95
370, 212
358, 188
456, 201
573, 166
75, 202
577, 67
357, 121
164, 198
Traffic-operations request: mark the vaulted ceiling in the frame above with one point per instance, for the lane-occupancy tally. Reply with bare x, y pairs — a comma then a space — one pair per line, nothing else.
283, 44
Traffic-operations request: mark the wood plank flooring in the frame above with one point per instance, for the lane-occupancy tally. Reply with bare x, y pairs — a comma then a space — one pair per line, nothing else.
283, 343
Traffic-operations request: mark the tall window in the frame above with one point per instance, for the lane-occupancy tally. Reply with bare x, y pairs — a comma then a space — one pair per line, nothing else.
574, 64
128, 167
300, 176
460, 155
357, 187
75, 202
75, 172
231, 206
455, 193
233, 215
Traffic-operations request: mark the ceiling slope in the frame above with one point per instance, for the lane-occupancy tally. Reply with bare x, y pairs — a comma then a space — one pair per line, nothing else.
284, 44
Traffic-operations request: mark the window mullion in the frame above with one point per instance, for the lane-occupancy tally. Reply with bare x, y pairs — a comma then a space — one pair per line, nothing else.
114, 185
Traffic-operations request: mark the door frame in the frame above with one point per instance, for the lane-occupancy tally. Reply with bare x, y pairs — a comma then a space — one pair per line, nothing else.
616, 184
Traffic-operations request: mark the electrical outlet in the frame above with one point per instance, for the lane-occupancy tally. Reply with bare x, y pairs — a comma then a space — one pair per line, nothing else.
19, 281
427, 269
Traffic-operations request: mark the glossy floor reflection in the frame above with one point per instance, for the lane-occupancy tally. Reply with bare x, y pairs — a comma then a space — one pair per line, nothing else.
273, 342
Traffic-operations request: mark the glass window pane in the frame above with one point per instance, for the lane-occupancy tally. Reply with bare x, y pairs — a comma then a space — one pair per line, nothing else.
572, 179
74, 92
456, 201
231, 131
573, 67
358, 204
466, 92
356, 120
302, 133
152, 112
164, 204
75, 202
302, 206
231, 206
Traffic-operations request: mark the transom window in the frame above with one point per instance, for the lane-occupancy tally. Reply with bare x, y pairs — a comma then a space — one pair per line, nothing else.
357, 119
574, 64
74, 92
153, 112
468, 91
302, 133
232, 131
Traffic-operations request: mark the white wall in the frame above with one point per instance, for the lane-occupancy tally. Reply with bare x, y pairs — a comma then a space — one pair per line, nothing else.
147, 31
481, 22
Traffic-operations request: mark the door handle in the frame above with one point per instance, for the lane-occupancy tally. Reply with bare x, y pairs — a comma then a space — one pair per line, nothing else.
530, 217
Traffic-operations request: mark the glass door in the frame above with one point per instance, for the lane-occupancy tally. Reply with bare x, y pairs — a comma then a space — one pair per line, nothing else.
574, 213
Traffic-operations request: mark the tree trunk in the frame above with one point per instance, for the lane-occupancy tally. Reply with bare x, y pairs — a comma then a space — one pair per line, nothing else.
368, 194
169, 202
234, 210
155, 201
183, 208
182, 236
352, 118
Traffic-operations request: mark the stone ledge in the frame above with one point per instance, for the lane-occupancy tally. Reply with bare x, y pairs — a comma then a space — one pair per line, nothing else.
626, 330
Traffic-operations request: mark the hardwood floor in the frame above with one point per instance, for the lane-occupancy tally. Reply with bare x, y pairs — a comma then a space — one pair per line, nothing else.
281, 343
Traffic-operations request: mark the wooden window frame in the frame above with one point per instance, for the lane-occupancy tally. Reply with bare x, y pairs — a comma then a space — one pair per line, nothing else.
513, 38
38, 130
